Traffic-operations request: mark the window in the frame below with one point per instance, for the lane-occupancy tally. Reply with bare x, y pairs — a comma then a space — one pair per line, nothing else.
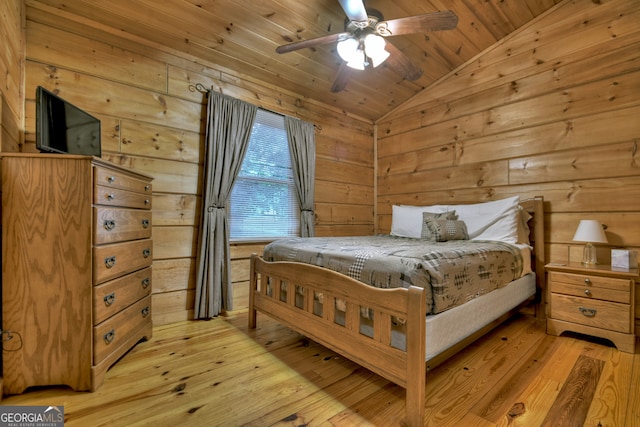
263, 200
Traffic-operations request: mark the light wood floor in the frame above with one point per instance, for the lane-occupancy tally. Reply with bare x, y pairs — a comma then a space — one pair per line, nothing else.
217, 373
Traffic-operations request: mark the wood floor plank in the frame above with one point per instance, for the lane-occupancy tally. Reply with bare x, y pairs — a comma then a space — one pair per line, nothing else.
612, 396
499, 400
572, 404
220, 373
475, 376
533, 403
632, 416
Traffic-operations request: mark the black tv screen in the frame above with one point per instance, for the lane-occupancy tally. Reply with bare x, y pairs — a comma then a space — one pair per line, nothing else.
64, 128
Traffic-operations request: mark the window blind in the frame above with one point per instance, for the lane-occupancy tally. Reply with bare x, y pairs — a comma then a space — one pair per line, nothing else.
263, 200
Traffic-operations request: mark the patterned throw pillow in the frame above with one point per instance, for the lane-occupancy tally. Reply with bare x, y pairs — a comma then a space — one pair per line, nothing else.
426, 233
443, 230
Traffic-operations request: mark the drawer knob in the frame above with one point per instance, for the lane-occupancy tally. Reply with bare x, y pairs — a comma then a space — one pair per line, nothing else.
146, 252
111, 179
145, 311
587, 292
145, 282
110, 261
109, 224
588, 312
145, 223
111, 196
587, 281
147, 187
109, 299
109, 336
146, 202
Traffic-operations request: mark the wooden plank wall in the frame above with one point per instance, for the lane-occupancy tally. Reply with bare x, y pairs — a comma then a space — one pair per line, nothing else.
552, 110
153, 123
11, 72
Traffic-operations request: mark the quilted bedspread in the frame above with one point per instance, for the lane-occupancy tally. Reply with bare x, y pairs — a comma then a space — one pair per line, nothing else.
454, 272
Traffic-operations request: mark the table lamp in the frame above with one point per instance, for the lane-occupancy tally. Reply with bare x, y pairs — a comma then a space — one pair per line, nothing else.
590, 231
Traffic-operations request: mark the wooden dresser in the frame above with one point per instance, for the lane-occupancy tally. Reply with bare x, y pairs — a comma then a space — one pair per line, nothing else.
76, 268
598, 301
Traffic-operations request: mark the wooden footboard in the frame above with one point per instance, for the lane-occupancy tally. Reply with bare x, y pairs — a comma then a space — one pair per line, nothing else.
293, 305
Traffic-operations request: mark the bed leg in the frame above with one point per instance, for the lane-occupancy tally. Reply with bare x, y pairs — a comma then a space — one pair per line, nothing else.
416, 365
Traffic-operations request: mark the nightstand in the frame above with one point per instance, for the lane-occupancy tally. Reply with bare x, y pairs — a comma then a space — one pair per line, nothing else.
598, 301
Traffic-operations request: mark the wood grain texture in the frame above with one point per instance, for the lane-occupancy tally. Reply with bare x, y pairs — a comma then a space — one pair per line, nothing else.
294, 381
572, 404
47, 275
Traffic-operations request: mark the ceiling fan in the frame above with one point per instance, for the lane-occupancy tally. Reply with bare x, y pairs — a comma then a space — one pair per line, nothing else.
363, 42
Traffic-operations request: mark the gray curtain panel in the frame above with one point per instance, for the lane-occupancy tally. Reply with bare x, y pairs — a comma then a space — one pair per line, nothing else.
228, 128
302, 145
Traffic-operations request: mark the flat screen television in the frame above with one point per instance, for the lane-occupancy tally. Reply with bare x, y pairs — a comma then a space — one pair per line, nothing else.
64, 128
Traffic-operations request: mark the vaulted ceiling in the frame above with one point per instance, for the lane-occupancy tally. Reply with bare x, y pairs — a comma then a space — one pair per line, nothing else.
242, 35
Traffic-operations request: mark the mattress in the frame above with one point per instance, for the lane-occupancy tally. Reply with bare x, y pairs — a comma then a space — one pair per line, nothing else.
453, 272
452, 326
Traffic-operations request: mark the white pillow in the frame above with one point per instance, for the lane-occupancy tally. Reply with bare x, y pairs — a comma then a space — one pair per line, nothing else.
495, 220
406, 221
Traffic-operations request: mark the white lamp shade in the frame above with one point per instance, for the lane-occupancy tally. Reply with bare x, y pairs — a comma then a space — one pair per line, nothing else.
347, 49
374, 47
591, 231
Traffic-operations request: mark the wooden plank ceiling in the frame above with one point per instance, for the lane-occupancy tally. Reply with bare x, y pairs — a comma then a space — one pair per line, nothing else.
242, 35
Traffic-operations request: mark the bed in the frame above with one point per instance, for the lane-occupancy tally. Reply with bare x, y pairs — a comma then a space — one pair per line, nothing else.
360, 303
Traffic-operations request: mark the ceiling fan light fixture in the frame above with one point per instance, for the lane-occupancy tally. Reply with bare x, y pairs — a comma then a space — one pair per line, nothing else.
374, 47
348, 49
358, 61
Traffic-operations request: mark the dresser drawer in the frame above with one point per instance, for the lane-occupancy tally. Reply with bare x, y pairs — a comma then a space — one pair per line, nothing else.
113, 179
600, 314
111, 297
116, 259
108, 335
108, 196
118, 224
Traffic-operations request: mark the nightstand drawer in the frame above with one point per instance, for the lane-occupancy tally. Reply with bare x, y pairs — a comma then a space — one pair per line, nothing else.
591, 281
600, 314
592, 292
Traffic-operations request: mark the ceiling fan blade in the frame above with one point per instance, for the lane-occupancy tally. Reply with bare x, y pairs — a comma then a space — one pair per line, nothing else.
401, 63
436, 21
355, 10
340, 83
331, 38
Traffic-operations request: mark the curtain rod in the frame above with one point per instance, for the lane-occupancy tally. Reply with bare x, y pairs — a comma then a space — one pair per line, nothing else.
203, 89
199, 87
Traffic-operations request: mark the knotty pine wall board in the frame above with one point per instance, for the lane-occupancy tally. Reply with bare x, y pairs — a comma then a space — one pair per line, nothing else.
111, 98
352, 194
585, 131
11, 69
93, 58
604, 161
175, 209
